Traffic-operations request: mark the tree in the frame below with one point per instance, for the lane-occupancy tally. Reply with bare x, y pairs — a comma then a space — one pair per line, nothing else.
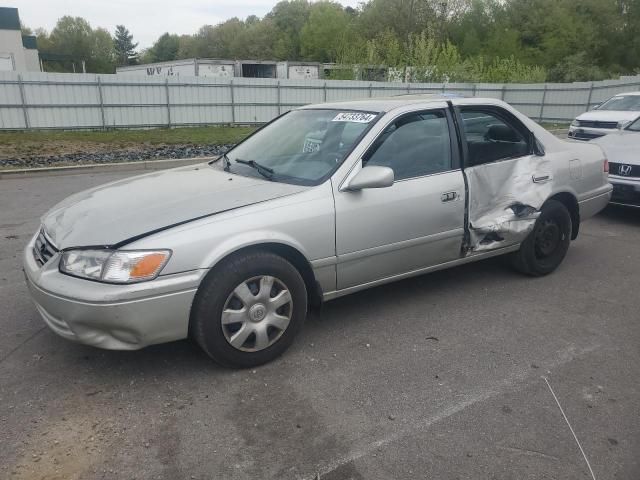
44, 41
103, 55
324, 32
124, 47
575, 68
402, 16
628, 52
187, 46
73, 41
218, 41
256, 41
288, 19
472, 40
164, 49
72, 36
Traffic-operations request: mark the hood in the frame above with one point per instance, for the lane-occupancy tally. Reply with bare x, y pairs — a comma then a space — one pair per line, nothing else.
609, 116
116, 212
621, 147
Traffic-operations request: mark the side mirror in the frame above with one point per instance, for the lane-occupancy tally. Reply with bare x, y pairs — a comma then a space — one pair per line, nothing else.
371, 177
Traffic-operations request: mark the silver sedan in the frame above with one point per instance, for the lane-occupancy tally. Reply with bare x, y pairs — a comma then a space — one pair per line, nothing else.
324, 201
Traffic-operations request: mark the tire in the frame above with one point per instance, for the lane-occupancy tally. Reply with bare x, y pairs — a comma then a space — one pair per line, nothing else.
256, 325
546, 246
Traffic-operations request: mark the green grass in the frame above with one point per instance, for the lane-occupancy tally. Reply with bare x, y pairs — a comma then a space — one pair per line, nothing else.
60, 142
197, 135
41, 143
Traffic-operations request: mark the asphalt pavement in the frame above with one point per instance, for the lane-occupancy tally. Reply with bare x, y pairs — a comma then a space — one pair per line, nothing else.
451, 375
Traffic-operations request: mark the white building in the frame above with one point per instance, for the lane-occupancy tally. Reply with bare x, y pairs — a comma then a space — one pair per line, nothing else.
209, 67
18, 53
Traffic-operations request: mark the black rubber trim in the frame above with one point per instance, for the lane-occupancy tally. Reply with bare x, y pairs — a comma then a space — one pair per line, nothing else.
462, 150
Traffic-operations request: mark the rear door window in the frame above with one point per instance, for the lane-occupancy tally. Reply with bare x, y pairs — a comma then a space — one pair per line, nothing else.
491, 136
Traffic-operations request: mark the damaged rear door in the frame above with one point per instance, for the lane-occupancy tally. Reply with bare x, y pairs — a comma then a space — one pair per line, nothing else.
507, 175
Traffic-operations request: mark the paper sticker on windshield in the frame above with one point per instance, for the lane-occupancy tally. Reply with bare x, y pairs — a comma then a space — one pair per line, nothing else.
311, 145
354, 117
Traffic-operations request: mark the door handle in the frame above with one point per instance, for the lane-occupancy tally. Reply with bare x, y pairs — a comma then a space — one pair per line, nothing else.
541, 178
448, 196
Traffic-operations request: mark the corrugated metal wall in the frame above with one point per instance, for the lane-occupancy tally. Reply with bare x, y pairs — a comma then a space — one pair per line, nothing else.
74, 101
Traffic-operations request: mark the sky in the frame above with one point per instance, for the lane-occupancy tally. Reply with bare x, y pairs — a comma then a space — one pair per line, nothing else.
145, 19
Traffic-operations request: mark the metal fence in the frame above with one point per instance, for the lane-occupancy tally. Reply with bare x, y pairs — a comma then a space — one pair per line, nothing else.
86, 101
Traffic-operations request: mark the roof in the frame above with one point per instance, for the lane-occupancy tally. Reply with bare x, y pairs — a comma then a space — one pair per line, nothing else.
384, 104
626, 94
9, 19
30, 42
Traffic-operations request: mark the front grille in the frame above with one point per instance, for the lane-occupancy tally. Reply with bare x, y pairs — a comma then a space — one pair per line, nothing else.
624, 170
597, 124
578, 135
43, 249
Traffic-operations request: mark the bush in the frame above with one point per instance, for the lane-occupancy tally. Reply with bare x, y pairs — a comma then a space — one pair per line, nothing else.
577, 68
422, 59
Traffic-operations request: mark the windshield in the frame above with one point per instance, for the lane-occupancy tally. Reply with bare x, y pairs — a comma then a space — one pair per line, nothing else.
303, 146
622, 102
634, 126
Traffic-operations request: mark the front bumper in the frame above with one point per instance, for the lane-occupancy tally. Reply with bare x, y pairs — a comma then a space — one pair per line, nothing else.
626, 191
587, 133
115, 317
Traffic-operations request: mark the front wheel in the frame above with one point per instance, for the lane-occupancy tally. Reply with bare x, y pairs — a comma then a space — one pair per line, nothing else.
546, 246
249, 309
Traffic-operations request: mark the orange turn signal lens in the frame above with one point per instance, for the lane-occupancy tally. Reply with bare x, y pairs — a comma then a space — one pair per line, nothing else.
129, 266
148, 266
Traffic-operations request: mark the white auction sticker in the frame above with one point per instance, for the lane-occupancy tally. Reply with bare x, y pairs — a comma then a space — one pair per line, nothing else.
311, 145
355, 117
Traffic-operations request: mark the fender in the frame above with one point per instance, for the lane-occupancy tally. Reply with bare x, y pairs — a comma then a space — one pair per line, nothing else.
250, 239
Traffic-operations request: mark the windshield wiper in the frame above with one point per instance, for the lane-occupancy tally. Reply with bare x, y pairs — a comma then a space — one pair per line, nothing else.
262, 170
227, 162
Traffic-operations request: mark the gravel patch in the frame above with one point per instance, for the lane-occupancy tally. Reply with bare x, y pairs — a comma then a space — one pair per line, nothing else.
116, 156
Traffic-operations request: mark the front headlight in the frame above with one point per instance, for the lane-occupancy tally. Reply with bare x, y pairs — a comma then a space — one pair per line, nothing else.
575, 123
114, 266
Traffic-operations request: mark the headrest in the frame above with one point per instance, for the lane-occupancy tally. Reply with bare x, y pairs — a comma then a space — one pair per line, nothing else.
503, 133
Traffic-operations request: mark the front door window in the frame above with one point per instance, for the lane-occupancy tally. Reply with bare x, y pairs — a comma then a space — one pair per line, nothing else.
413, 146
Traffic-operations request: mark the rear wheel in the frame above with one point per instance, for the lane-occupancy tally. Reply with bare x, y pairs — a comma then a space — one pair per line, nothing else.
546, 246
249, 309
